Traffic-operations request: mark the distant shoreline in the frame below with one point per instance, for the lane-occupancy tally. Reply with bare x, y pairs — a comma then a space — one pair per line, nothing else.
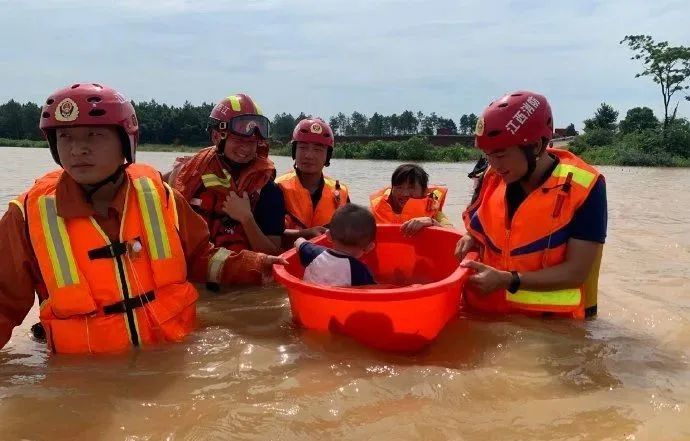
392, 150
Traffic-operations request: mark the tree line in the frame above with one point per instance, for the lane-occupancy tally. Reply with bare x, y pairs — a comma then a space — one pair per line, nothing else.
186, 124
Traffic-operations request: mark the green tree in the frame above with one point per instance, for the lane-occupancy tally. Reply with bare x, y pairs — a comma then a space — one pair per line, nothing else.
668, 66
375, 125
430, 124
342, 123
472, 122
604, 118
465, 127
420, 122
282, 127
358, 121
11, 120
570, 130
408, 123
395, 128
638, 119
447, 124
334, 122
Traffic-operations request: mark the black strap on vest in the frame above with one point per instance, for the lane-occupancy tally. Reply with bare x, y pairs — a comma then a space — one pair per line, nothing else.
129, 304
115, 249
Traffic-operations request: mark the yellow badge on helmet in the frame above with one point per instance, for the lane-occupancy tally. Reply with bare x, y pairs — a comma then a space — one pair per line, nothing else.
67, 110
479, 129
316, 128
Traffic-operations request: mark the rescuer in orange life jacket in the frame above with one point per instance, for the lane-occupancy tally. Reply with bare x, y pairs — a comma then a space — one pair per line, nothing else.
538, 217
231, 182
107, 245
311, 198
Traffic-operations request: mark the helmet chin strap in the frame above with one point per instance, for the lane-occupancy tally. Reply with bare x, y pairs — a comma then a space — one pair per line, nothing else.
221, 145
91, 189
528, 151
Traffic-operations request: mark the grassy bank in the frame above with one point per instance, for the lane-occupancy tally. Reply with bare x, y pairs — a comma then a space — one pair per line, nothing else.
414, 149
646, 148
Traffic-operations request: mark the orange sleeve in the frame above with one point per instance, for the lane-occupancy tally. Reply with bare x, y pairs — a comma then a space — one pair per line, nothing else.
19, 273
207, 263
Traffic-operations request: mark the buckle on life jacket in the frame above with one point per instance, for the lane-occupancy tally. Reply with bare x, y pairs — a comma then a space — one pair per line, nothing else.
431, 201
336, 193
565, 189
116, 249
123, 306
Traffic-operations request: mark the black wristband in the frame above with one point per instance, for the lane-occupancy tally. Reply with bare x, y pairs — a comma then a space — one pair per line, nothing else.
514, 282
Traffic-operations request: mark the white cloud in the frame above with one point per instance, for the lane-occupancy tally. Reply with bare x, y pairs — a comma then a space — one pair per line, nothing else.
446, 56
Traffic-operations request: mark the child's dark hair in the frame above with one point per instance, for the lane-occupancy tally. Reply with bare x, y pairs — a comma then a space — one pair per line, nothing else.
353, 225
410, 174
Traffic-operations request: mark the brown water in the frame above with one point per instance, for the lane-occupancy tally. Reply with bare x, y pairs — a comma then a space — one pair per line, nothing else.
247, 373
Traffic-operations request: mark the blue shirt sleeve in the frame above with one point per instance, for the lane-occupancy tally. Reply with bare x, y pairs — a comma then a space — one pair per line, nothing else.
360, 274
308, 252
590, 220
269, 212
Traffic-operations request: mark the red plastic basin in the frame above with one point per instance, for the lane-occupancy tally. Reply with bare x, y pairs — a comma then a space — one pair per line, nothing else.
403, 319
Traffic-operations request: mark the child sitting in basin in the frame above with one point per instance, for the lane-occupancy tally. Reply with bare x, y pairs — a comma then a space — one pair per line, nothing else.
352, 231
410, 201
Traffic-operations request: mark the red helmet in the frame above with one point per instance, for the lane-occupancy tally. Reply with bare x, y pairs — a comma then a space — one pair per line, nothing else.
516, 119
89, 104
313, 130
239, 115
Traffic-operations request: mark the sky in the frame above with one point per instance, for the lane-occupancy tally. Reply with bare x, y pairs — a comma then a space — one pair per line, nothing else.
322, 57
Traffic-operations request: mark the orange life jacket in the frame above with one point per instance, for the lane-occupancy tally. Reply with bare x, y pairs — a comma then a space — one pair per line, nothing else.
205, 183
105, 296
300, 211
427, 206
536, 238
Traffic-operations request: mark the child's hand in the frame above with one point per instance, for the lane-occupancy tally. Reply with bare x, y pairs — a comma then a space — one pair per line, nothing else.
299, 241
412, 226
237, 207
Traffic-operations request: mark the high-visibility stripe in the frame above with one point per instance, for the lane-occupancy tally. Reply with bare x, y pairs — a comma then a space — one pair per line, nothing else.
258, 109
20, 205
580, 176
285, 177
563, 297
174, 205
57, 241
213, 180
235, 103
152, 214
216, 264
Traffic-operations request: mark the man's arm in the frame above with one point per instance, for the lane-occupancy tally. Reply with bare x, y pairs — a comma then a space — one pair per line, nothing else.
19, 274
207, 263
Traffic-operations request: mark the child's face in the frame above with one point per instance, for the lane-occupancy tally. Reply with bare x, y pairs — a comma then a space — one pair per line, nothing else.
89, 154
310, 157
401, 193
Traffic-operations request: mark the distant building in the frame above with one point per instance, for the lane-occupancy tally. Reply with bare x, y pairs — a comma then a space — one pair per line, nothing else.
562, 133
